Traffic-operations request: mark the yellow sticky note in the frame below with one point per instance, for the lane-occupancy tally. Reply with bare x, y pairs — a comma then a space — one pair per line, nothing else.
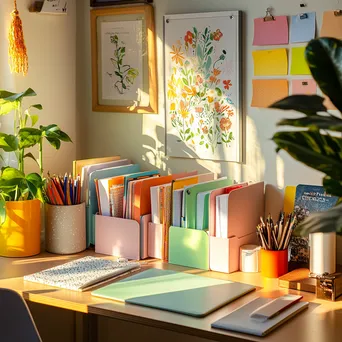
298, 62
266, 92
270, 62
289, 199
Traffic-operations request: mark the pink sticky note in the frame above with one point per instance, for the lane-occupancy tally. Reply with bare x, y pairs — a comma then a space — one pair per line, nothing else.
306, 87
275, 32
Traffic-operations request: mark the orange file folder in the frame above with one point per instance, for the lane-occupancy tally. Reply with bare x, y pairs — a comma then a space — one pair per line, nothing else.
142, 193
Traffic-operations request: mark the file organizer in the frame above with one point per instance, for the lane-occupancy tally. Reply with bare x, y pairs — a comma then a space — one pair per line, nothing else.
117, 237
189, 247
155, 240
196, 248
92, 207
245, 206
122, 237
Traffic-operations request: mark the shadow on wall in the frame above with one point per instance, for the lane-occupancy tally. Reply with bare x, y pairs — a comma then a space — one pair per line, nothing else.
154, 155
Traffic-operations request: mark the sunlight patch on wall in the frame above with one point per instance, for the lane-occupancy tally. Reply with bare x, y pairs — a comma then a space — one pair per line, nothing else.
280, 172
255, 168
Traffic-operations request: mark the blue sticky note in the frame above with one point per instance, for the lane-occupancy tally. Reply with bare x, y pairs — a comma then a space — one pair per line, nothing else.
302, 27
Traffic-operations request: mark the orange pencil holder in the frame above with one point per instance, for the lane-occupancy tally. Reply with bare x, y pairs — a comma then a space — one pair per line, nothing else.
273, 263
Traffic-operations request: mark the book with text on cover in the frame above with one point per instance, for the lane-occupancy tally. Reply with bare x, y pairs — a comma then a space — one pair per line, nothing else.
309, 199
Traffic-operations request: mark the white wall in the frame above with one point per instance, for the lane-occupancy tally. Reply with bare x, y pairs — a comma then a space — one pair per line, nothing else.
51, 47
142, 137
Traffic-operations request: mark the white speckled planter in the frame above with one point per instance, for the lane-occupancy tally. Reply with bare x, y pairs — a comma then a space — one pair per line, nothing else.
65, 228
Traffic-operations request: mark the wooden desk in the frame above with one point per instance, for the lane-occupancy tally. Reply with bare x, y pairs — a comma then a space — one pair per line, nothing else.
108, 319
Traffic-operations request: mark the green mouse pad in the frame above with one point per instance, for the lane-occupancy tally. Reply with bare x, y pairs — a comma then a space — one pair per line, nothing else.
174, 291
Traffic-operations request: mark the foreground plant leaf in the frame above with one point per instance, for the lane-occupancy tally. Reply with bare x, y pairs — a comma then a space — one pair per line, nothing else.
307, 104
330, 122
320, 152
324, 56
324, 222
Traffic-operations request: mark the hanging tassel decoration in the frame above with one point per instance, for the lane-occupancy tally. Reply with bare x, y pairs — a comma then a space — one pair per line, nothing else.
18, 59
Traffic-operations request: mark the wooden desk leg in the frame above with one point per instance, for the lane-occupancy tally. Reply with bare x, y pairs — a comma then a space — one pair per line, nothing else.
86, 327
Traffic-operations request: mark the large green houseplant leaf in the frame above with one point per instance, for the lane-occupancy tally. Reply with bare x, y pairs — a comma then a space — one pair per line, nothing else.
317, 144
15, 185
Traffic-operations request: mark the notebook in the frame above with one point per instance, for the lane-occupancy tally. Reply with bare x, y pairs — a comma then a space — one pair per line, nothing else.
179, 292
81, 274
240, 320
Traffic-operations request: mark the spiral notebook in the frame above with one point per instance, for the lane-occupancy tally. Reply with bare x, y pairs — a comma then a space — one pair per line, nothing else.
82, 274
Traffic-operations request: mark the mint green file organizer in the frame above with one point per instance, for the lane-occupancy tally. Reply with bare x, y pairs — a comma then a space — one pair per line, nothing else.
189, 247
92, 207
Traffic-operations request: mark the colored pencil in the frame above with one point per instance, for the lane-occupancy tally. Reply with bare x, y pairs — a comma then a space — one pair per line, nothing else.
276, 236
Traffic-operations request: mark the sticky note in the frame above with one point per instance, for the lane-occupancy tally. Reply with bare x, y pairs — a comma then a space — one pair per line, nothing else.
298, 62
328, 103
275, 32
270, 62
266, 92
302, 27
331, 26
304, 87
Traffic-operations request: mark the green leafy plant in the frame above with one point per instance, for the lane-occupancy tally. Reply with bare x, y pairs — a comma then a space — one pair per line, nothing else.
15, 185
317, 141
125, 72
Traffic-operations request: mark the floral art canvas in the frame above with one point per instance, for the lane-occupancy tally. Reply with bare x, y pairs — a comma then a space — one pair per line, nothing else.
202, 84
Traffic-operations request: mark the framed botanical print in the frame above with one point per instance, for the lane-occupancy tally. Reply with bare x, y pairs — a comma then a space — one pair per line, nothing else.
202, 54
102, 3
123, 60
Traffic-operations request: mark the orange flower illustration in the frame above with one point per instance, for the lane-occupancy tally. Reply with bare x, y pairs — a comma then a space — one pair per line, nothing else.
199, 110
205, 130
225, 124
217, 35
177, 55
183, 111
227, 84
199, 79
172, 106
188, 37
171, 93
212, 79
221, 109
216, 72
191, 91
230, 112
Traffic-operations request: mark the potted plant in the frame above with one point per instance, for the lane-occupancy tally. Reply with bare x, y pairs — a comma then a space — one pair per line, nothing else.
21, 193
317, 140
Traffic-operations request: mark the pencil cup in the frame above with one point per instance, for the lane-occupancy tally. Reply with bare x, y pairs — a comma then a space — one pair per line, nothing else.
65, 228
273, 263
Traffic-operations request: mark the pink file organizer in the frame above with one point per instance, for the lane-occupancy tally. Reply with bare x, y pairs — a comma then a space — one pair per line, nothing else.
245, 206
117, 237
155, 240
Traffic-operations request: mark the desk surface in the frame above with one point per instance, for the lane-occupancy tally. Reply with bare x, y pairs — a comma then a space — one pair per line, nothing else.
321, 322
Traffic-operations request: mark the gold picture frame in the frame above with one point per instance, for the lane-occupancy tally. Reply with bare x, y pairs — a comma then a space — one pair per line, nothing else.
124, 77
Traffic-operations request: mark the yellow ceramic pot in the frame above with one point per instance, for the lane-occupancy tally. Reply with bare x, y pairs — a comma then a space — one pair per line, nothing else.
20, 233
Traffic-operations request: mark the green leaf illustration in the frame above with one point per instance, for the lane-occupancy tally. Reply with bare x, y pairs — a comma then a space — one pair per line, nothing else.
218, 91
199, 52
185, 81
